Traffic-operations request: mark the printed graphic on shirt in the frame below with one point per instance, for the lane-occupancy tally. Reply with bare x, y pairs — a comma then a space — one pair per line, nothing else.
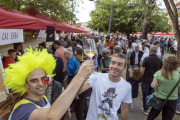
108, 99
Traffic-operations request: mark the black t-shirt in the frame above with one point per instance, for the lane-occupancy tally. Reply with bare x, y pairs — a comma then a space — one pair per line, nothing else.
59, 70
152, 64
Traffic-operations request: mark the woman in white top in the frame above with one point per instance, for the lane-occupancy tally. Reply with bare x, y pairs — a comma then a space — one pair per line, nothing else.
129, 50
144, 48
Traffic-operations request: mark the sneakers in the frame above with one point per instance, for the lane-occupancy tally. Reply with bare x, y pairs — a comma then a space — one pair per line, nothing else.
178, 111
146, 112
132, 109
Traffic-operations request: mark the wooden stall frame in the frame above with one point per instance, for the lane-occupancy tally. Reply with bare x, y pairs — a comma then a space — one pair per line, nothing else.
2, 70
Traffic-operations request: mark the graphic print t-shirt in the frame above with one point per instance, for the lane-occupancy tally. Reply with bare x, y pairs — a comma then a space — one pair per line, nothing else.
107, 96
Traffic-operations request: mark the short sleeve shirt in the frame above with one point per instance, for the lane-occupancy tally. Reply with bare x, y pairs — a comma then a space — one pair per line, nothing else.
152, 64
23, 111
107, 96
134, 44
7, 62
158, 52
165, 86
108, 43
144, 56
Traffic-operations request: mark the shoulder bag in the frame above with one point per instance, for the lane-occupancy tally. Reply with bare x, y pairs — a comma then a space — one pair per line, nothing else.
157, 104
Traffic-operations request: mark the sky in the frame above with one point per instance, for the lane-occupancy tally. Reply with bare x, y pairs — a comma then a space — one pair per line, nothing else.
86, 7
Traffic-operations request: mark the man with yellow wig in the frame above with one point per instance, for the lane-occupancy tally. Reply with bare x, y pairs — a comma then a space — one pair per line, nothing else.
29, 74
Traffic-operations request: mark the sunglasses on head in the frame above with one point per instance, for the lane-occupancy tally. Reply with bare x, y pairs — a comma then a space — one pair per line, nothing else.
44, 80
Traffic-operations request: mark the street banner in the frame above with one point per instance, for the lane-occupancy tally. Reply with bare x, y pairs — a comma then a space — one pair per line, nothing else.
41, 34
9, 36
50, 34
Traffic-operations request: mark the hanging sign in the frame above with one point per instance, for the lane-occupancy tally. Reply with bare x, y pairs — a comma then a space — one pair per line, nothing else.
41, 34
62, 34
9, 36
50, 34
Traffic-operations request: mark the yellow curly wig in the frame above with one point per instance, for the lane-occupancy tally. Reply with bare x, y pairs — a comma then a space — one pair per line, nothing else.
17, 73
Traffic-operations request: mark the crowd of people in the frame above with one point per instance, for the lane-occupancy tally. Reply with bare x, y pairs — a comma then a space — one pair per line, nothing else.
64, 73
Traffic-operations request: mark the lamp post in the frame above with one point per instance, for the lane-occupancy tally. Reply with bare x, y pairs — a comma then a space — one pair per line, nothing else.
112, 6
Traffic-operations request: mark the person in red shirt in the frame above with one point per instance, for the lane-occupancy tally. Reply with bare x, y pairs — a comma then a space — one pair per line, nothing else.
108, 42
11, 59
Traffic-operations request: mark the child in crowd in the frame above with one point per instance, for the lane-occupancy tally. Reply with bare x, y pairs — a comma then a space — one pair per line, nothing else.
134, 81
11, 59
124, 48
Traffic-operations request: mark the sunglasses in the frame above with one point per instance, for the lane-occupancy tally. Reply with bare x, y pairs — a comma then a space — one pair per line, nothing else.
44, 80
106, 53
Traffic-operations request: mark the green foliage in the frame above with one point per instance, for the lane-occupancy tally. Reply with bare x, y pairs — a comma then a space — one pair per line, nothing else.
125, 20
62, 10
159, 22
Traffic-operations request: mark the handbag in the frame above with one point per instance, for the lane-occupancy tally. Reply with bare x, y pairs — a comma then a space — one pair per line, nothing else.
157, 104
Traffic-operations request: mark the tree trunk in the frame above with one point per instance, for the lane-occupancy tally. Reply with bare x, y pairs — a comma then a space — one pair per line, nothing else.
128, 35
148, 10
177, 36
145, 31
146, 26
173, 14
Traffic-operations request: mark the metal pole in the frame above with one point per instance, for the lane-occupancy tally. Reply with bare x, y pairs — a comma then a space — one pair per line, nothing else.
110, 19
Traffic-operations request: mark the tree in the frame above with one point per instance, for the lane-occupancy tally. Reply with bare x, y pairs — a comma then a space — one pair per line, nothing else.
148, 6
62, 10
126, 20
173, 14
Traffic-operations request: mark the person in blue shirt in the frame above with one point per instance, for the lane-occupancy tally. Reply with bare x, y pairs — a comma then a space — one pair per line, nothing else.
162, 50
71, 65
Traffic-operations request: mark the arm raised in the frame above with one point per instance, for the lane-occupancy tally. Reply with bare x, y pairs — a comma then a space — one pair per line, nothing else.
62, 103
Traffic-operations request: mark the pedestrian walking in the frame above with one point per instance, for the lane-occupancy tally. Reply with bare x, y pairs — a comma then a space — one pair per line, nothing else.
150, 66
134, 81
164, 81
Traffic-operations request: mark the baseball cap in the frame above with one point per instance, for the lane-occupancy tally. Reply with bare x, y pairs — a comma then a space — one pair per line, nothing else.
156, 42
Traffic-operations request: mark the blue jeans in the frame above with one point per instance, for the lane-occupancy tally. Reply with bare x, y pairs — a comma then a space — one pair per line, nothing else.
178, 102
162, 56
147, 90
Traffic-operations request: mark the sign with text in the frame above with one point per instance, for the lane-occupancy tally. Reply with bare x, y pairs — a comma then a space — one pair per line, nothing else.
9, 36
41, 34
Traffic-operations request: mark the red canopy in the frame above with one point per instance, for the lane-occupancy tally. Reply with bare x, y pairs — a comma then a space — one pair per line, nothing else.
9, 20
81, 29
42, 22
75, 29
58, 25
161, 33
158, 33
